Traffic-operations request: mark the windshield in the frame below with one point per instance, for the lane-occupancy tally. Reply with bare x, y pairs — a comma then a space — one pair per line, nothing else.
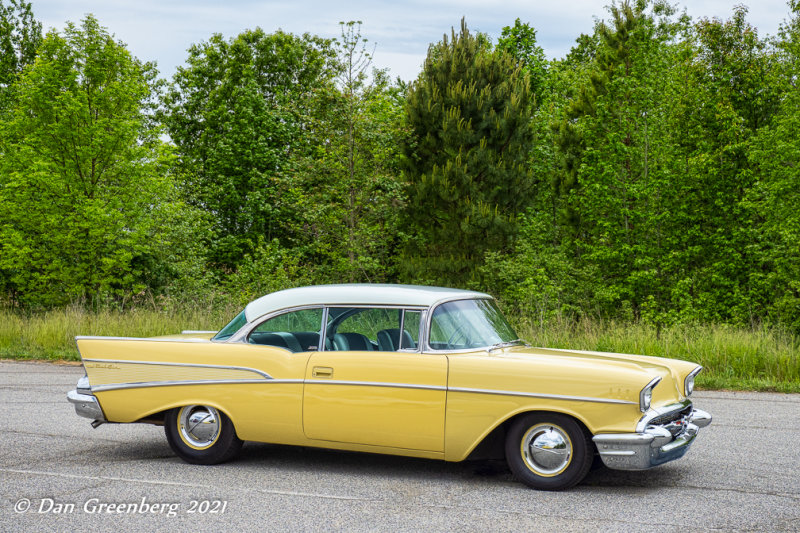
232, 327
467, 324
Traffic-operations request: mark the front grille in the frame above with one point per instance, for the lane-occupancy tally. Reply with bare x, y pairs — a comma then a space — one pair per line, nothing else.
666, 418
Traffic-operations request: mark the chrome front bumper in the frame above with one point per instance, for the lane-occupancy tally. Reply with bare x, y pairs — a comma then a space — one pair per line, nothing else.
654, 444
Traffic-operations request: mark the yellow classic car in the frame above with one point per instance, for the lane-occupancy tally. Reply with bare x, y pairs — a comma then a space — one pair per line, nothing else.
407, 370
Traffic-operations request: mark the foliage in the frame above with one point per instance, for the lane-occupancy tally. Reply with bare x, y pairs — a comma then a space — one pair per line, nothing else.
345, 189
20, 35
519, 40
469, 113
82, 195
650, 176
236, 113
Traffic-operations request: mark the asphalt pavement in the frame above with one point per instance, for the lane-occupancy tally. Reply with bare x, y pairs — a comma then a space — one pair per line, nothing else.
59, 474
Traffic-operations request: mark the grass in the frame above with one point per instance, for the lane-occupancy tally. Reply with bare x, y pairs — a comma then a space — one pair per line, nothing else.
759, 359
51, 335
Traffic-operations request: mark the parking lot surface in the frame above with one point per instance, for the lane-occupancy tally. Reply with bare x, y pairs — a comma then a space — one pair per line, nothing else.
59, 474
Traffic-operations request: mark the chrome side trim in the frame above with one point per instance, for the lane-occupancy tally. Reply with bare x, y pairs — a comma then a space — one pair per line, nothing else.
195, 365
374, 384
543, 396
149, 339
149, 384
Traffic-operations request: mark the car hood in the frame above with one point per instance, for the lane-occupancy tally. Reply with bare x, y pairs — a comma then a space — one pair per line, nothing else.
629, 371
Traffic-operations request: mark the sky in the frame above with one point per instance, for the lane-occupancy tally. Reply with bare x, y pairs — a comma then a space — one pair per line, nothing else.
162, 30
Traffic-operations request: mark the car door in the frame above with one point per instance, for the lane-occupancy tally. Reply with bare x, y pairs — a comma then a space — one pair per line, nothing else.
372, 385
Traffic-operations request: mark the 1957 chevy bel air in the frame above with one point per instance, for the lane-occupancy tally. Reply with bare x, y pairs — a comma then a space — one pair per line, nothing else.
407, 370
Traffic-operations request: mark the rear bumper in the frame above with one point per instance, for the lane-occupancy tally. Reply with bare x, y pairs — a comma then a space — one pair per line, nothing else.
86, 405
655, 445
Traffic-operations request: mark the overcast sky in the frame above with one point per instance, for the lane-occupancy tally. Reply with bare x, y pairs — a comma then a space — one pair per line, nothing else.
162, 30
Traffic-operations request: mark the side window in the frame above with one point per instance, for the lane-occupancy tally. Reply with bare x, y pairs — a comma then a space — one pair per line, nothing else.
296, 331
372, 329
411, 324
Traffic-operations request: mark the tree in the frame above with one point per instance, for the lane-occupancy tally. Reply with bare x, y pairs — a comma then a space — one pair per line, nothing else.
20, 35
348, 183
468, 175
82, 192
775, 195
519, 40
732, 90
237, 113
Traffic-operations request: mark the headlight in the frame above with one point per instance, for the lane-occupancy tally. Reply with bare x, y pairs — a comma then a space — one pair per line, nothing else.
688, 383
647, 395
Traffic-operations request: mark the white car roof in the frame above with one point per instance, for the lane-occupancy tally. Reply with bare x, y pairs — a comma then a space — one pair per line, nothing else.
355, 294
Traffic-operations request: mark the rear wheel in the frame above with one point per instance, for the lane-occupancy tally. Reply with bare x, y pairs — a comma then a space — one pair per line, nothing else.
200, 434
548, 451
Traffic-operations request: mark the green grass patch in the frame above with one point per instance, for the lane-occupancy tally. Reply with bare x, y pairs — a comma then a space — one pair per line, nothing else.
758, 359
51, 335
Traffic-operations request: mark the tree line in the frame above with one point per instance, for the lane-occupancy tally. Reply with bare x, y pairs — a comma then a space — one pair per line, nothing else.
651, 174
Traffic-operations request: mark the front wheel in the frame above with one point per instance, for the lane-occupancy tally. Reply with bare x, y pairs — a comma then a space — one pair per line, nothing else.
200, 434
548, 451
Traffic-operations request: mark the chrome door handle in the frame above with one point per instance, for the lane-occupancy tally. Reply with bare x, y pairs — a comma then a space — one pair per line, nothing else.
322, 372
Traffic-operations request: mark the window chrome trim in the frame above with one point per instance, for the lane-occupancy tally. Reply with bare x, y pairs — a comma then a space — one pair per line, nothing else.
322, 343
197, 365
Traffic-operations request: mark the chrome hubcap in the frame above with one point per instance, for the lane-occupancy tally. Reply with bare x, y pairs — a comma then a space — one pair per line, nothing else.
546, 449
199, 425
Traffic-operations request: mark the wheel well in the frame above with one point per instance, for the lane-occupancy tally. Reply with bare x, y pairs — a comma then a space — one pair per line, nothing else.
493, 445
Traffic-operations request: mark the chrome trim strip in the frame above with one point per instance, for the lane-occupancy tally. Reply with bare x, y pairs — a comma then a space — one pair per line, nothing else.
149, 339
543, 396
374, 384
149, 384
196, 365
618, 452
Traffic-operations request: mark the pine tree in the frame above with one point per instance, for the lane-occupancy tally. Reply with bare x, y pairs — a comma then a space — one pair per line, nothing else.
469, 114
